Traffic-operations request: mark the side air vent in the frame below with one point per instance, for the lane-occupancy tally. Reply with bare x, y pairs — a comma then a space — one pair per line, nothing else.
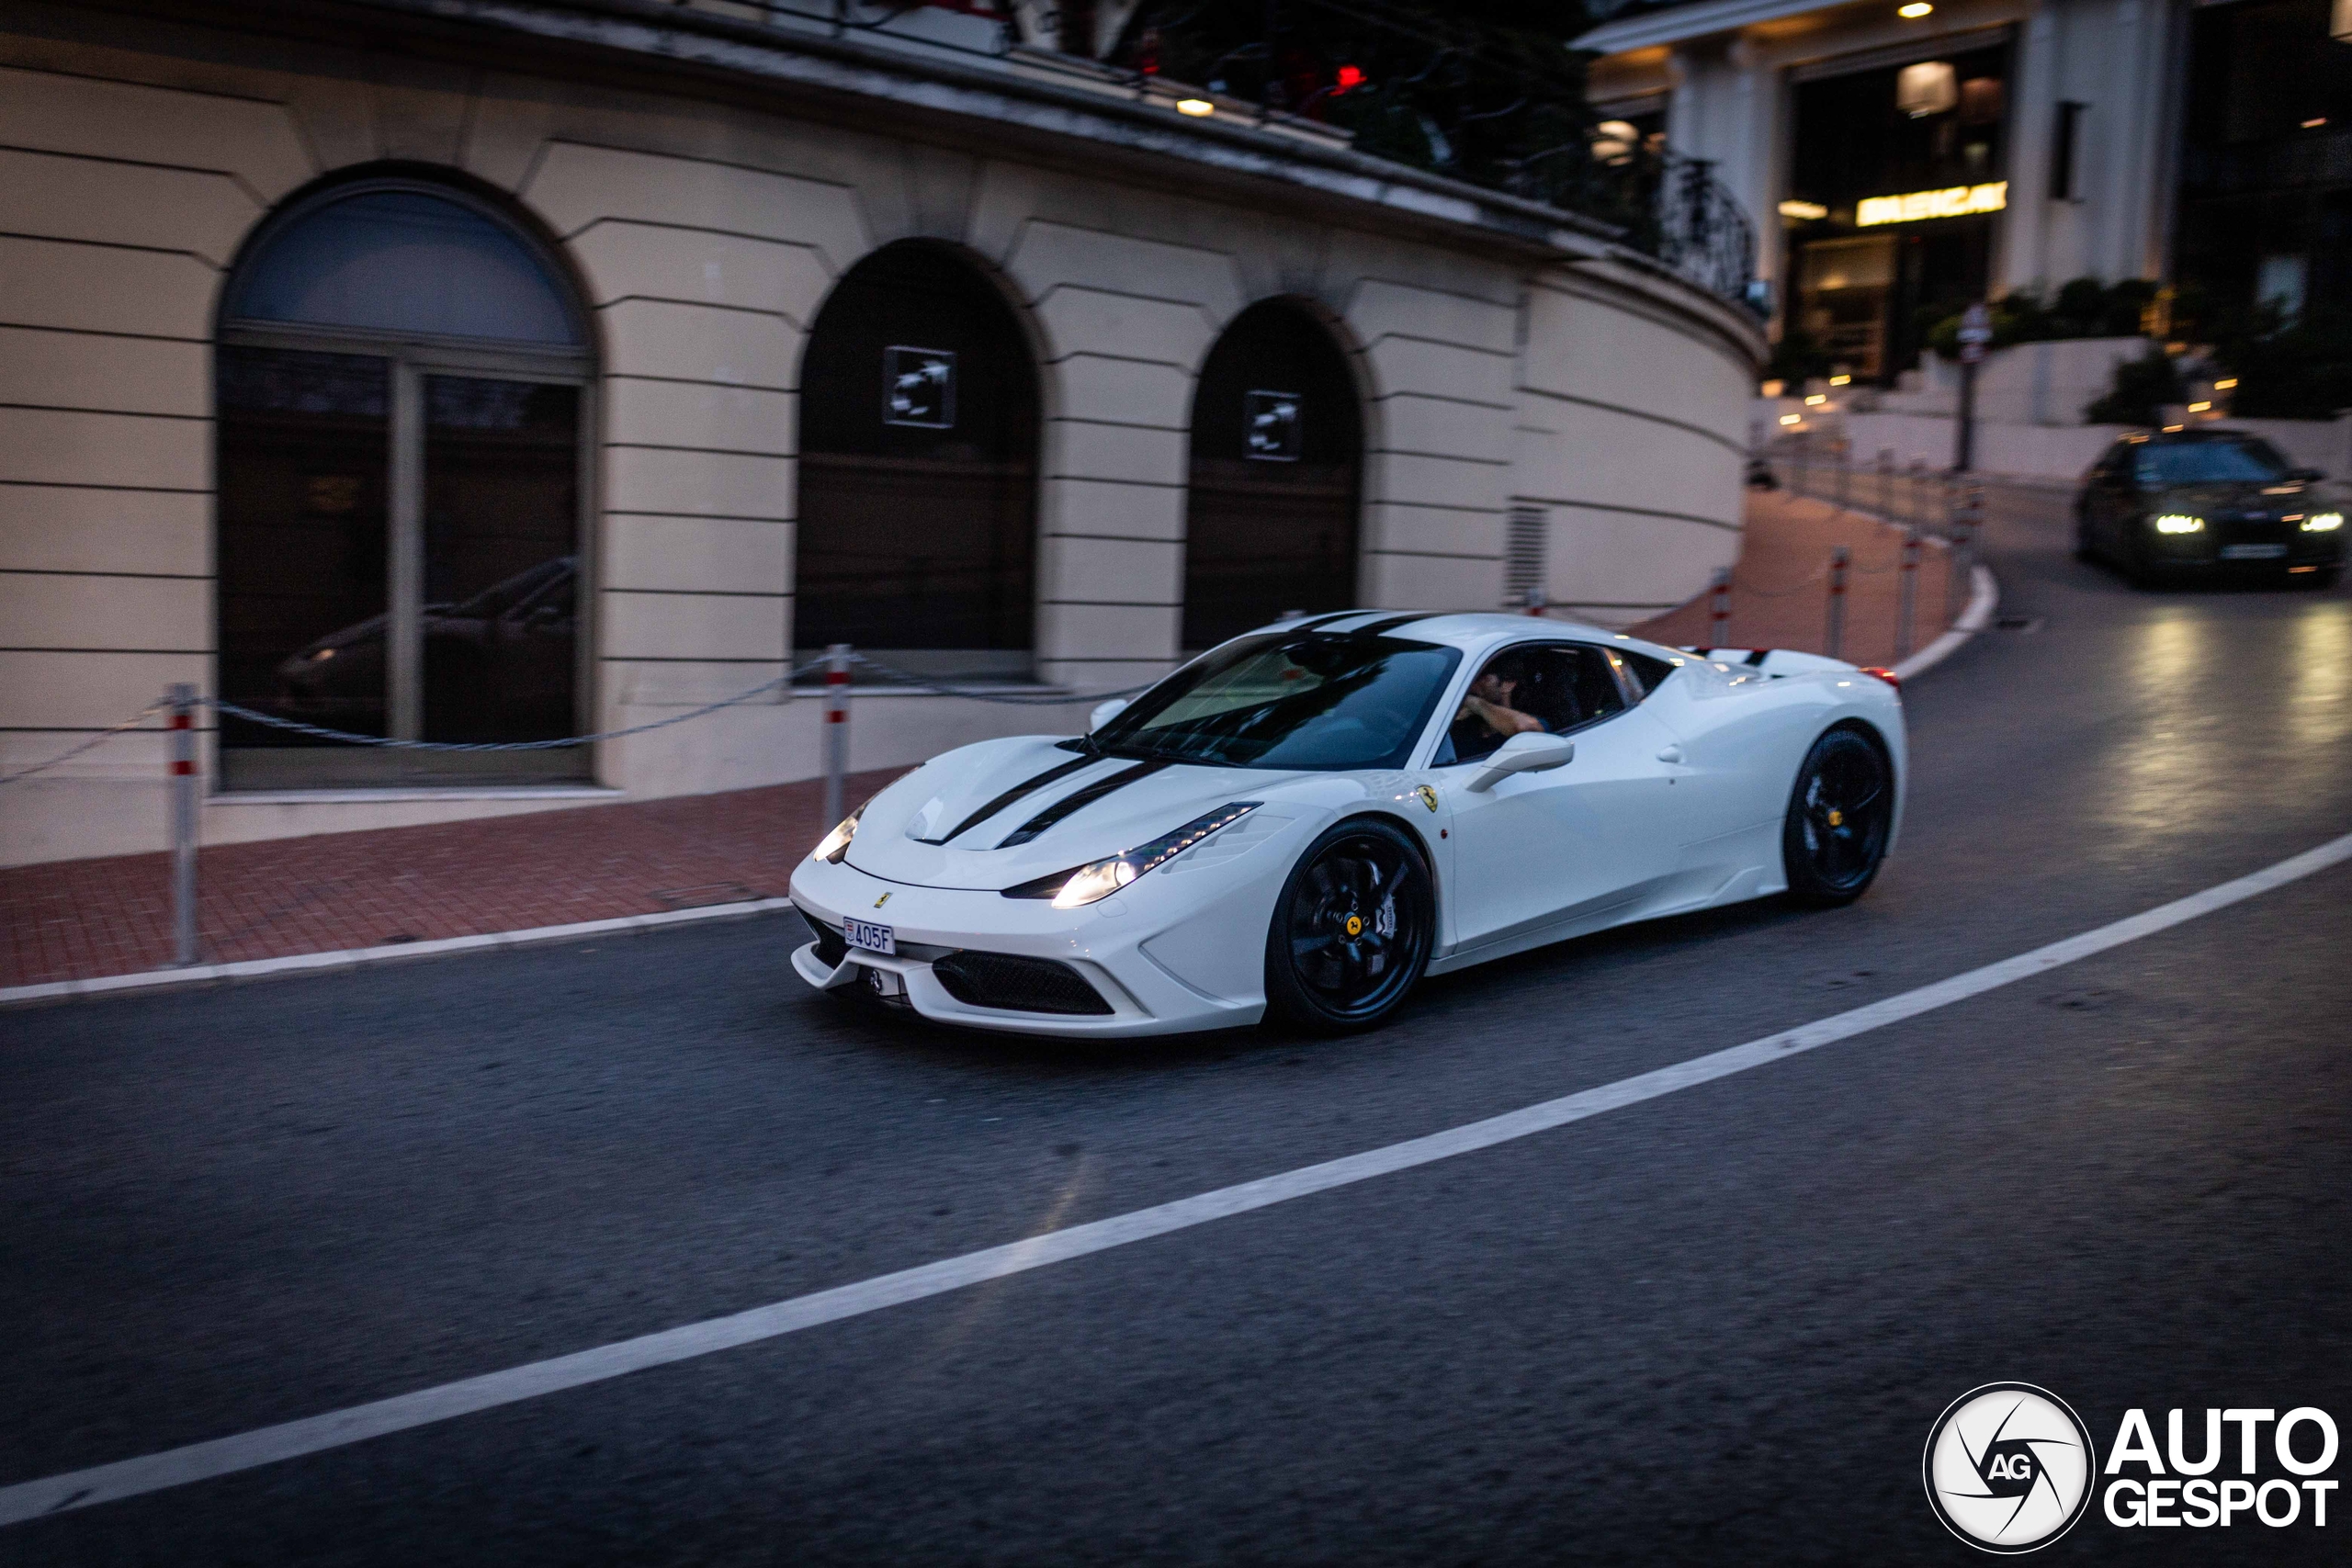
1525, 534
1017, 985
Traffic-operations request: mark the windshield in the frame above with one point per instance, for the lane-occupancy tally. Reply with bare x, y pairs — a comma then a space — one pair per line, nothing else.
2158, 464
1289, 701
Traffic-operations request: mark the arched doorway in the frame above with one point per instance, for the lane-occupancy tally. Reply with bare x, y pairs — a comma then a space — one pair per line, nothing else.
401, 382
1269, 517
918, 514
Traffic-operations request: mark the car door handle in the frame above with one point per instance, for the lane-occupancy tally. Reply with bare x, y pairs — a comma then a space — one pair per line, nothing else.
1670, 754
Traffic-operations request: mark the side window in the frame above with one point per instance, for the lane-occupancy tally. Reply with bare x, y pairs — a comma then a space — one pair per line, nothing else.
1643, 672
1546, 688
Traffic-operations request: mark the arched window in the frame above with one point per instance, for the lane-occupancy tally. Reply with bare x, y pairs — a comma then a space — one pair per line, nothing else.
918, 469
401, 381
1269, 517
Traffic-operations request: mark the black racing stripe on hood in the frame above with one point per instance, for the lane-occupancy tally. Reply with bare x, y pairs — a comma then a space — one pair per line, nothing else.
1078, 800
1059, 771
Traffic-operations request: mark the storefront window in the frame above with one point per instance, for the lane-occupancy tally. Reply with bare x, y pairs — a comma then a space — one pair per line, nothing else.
401, 391
1898, 179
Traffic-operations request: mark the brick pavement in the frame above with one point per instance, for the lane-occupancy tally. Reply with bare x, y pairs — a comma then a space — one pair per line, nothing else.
1781, 589
79, 919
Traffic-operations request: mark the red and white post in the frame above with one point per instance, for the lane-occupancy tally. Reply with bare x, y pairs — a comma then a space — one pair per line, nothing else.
1835, 637
836, 731
182, 698
1719, 610
1906, 612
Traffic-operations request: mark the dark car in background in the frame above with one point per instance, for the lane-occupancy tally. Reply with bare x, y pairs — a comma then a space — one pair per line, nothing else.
2168, 506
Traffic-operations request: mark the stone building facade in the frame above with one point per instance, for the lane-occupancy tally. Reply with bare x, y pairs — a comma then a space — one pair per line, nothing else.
468, 371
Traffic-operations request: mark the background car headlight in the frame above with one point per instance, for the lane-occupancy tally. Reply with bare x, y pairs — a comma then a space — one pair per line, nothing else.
1098, 880
2179, 522
2322, 522
835, 844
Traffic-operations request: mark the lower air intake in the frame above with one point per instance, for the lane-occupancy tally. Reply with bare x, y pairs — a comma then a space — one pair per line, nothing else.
1017, 985
831, 948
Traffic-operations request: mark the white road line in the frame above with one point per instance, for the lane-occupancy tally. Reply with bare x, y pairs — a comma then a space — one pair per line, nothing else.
315, 1434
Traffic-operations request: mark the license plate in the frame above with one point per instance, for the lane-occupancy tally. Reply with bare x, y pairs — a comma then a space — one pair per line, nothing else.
869, 936
2253, 552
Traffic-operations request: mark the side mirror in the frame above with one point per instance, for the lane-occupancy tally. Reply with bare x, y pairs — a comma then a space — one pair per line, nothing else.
1105, 713
1523, 754
2308, 476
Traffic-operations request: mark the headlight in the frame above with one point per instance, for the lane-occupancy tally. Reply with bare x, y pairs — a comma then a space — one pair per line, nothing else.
1098, 880
835, 844
2179, 522
2322, 522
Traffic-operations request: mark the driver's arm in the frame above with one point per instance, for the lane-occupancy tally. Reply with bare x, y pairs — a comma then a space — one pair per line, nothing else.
1503, 721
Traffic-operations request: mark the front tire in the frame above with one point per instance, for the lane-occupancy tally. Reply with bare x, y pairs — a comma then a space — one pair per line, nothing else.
1841, 814
1353, 929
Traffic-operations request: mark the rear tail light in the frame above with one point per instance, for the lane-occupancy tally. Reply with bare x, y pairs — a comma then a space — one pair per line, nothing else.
1889, 676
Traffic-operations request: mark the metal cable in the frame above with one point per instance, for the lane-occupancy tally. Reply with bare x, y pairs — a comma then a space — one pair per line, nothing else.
1016, 699
320, 732
101, 736
1797, 586
296, 726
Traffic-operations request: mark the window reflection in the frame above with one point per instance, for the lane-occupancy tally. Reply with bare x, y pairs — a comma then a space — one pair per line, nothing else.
304, 454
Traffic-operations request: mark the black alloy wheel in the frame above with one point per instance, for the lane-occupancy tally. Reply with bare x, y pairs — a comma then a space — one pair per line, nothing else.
1353, 929
1840, 816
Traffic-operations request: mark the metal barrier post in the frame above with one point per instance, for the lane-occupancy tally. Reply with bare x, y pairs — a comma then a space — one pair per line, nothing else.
1887, 482
1965, 514
1919, 476
1719, 609
836, 731
182, 697
1906, 613
1836, 631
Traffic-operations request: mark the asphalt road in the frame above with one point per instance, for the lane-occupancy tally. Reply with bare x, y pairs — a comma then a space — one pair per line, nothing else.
1713, 1328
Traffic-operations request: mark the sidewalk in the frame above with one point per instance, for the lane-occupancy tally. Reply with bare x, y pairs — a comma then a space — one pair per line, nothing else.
81, 919
1780, 588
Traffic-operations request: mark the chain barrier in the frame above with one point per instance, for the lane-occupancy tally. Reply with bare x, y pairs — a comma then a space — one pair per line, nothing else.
133, 722
903, 677
1016, 699
1798, 586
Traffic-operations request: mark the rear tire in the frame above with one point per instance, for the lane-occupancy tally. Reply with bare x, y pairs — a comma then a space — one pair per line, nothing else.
1841, 814
1351, 930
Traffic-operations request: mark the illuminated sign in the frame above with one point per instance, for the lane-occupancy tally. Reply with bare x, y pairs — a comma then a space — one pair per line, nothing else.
1957, 202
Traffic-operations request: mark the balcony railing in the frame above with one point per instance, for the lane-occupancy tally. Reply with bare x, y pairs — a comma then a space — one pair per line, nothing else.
1492, 108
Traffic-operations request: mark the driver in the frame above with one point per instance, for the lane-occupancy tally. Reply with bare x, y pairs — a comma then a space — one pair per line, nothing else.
1485, 718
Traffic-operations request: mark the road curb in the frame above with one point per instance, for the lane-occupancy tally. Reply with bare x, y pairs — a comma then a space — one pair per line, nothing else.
1984, 598
205, 974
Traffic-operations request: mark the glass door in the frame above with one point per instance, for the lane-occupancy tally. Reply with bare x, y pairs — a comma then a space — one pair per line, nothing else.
498, 618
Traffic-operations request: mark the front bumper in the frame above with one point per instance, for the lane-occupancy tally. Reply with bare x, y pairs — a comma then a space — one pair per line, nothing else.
1165, 959
2246, 546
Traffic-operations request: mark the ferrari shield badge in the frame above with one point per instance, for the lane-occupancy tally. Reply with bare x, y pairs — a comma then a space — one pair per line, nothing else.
1426, 797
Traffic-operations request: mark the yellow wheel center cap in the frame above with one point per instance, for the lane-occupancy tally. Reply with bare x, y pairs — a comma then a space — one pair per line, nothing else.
1355, 925
1836, 817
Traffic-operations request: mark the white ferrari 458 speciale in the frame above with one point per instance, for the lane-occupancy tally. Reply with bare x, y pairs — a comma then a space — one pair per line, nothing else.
1306, 820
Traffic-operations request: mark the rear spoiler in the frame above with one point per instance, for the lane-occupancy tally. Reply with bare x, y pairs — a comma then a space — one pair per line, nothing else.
1776, 663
